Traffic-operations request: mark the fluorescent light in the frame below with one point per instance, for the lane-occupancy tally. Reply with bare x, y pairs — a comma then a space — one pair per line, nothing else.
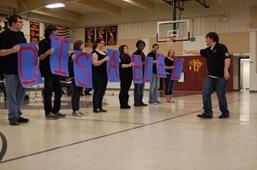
55, 5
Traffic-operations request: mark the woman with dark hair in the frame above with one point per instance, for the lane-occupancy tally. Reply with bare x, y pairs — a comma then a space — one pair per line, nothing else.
169, 65
99, 74
76, 91
125, 76
51, 82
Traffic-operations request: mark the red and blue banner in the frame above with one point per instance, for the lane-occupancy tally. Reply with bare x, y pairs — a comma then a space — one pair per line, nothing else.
113, 65
59, 58
160, 65
82, 66
28, 66
178, 67
138, 77
148, 72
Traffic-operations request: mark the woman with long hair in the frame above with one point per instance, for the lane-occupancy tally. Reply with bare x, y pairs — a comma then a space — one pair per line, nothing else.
169, 62
99, 73
125, 76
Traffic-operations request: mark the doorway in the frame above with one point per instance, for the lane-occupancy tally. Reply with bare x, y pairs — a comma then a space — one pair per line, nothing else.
244, 73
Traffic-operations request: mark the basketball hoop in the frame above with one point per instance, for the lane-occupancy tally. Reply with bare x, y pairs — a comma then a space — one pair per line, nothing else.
170, 40
173, 38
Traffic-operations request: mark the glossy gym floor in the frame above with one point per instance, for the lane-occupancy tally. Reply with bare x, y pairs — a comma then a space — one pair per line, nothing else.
167, 136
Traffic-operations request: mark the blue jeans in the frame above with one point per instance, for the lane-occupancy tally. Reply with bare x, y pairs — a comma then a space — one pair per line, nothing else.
15, 95
138, 93
153, 93
210, 85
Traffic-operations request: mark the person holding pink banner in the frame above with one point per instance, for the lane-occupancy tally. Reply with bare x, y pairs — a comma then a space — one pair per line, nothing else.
76, 90
153, 92
139, 88
51, 82
99, 74
169, 65
126, 76
9, 66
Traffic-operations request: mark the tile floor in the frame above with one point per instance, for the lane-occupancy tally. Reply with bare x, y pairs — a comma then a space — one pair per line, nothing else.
167, 136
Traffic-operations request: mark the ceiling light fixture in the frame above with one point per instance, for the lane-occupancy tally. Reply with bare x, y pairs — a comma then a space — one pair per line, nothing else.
55, 5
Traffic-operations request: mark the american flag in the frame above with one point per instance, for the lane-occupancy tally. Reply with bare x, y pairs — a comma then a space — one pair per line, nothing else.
63, 31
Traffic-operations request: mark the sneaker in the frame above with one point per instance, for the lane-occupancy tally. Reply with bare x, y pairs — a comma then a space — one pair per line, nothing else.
158, 102
82, 114
125, 107
224, 116
97, 111
13, 122
143, 104
51, 116
23, 120
76, 114
59, 114
103, 110
204, 116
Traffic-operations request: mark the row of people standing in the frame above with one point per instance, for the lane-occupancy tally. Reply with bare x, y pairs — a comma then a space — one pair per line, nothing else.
15, 92
126, 76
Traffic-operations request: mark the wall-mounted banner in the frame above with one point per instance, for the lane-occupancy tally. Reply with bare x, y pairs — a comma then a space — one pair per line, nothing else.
28, 65
161, 66
89, 36
113, 65
34, 31
148, 69
101, 32
59, 59
82, 66
3, 22
178, 67
137, 69
112, 35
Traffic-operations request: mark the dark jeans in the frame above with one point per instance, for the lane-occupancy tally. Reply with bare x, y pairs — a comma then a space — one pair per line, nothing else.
125, 83
52, 84
99, 85
168, 85
210, 85
75, 97
138, 93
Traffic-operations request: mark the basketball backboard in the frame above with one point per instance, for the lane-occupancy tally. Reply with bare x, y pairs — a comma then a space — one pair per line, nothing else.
173, 31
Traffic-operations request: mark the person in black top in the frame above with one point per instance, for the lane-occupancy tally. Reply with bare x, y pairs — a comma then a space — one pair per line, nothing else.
126, 76
99, 74
51, 82
218, 63
9, 66
169, 62
139, 88
153, 91
76, 91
